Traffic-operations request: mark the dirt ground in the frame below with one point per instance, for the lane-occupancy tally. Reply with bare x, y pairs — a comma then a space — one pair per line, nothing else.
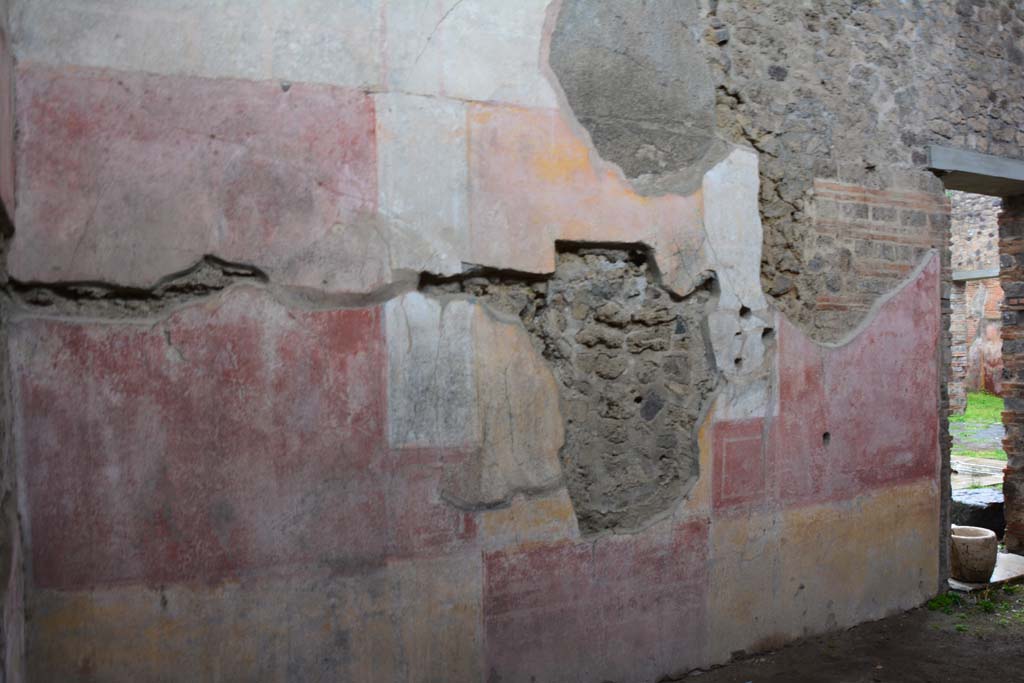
966, 638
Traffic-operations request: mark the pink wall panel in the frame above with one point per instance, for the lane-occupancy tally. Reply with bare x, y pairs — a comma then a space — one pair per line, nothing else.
623, 608
851, 419
129, 177
234, 435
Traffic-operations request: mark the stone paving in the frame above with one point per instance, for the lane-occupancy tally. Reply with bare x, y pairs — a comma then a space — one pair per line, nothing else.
975, 472
976, 436
970, 438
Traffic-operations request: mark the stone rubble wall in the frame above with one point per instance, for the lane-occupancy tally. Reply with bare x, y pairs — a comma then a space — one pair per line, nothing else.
852, 93
384, 340
974, 231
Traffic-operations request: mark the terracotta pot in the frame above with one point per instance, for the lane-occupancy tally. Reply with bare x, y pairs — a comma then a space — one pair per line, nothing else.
974, 554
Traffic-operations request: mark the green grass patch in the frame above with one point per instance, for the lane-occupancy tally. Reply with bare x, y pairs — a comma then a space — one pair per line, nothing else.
991, 455
981, 408
945, 603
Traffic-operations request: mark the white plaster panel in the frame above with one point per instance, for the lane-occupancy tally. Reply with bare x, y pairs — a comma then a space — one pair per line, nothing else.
326, 41
422, 181
323, 41
117, 34
732, 222
431, 384
732, 248
485, 50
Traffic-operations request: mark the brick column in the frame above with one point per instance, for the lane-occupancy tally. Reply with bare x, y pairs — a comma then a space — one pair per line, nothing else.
940, 223
960, 343
1011, 249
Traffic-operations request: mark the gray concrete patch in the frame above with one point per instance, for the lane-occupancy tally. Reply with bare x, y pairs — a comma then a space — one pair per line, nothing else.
635, 79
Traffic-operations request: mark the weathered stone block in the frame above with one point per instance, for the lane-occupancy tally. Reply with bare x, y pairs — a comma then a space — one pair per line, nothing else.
854, 211
917, 219
978, 507
885, 214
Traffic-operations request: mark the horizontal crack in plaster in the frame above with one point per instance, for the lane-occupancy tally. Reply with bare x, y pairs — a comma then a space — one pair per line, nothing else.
209, 277
104, 300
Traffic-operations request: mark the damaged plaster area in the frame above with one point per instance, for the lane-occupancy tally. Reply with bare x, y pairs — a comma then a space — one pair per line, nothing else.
103, 300
634, 370
595, 377
590, 367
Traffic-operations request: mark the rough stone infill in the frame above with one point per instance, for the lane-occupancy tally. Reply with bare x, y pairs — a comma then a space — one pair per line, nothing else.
634, 368
958, 349
974, 231
1011, 248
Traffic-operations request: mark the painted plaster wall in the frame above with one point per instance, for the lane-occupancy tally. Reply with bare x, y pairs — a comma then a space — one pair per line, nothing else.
318, 469
849, 95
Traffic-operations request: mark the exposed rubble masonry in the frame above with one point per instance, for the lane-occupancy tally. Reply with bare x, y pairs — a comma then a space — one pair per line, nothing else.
635, 370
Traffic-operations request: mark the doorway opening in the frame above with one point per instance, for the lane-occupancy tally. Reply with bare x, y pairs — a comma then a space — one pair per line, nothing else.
975, 370
985, 370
